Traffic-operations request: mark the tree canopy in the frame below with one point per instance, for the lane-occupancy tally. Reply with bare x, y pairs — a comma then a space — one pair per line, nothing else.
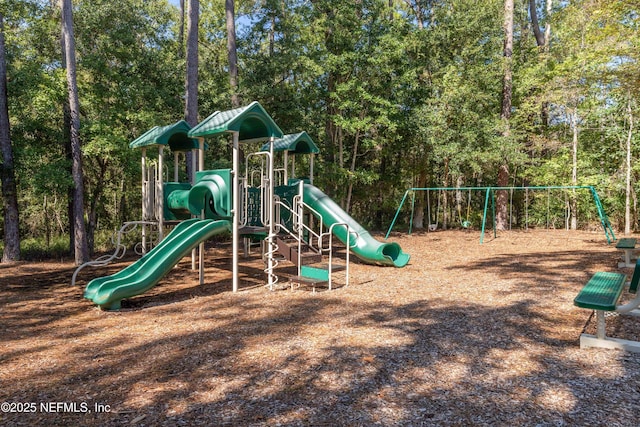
396, 93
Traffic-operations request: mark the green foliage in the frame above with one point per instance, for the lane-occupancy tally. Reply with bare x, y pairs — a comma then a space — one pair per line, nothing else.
396, 94
36, 249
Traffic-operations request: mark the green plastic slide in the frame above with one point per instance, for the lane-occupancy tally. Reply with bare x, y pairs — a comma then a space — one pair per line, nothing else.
142, 275
362, 243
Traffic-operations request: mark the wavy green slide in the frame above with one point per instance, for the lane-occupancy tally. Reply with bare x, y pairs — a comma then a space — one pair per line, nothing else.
142, 275
362, 243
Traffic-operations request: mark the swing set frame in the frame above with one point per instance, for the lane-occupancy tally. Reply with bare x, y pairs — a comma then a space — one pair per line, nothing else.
491, 197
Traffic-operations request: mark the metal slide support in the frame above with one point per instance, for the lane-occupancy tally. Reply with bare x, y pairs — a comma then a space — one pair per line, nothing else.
235, 245
145, 200
271, 238
160, 193
202, 214
192, 181
300, 223
176, 164
286, 172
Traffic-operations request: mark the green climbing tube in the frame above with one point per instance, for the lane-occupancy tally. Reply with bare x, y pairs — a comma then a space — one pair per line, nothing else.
210, 194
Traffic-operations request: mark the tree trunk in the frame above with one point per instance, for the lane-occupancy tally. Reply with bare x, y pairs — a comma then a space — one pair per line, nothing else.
81, 250
445, 199
123, 209
47, 223
66, 136
353, 170
574, 170
547, 28
92, 222
232, 52
272, 35
191, 80
547, 37
11, 250
540, 41
502, 199
627, 202
181, 31
418, 216
191, 83
415, 7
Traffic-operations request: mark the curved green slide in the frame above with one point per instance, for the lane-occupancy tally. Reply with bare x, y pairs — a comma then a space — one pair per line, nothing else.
362, 243
142, 275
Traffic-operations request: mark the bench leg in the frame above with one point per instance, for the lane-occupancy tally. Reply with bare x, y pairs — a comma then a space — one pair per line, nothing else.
628, 259
601, 331
600, 340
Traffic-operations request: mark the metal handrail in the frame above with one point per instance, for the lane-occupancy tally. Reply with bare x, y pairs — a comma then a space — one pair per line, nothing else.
300, 227
120, 249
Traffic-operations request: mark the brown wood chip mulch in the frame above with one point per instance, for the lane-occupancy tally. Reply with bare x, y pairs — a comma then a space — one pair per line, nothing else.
466, 334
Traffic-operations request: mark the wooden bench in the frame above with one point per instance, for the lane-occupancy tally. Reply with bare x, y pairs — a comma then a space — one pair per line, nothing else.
601, 293
628, 245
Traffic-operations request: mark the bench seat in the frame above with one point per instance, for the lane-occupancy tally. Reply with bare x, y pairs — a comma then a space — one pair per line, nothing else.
626, 243
601, 292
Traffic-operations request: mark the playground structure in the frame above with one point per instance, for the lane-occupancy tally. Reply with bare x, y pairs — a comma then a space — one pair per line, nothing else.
488, 196
257, 201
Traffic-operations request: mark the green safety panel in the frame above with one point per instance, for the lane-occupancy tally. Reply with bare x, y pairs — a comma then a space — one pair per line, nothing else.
253, 207
314, 273
286, 194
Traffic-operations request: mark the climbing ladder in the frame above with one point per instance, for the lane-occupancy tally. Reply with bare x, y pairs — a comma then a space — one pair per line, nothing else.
310, 245
300, 235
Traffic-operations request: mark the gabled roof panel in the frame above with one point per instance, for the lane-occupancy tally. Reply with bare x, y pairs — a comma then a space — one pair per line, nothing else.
175, 136
295, 143
251, 122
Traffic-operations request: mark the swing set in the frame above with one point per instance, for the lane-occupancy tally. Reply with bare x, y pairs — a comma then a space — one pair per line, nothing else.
490, 202
464, 223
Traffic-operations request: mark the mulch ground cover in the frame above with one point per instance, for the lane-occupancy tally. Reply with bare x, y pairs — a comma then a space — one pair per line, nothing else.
465, 334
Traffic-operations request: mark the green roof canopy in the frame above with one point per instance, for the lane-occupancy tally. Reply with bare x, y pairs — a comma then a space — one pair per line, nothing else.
295, 143
175, 136
251, 122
